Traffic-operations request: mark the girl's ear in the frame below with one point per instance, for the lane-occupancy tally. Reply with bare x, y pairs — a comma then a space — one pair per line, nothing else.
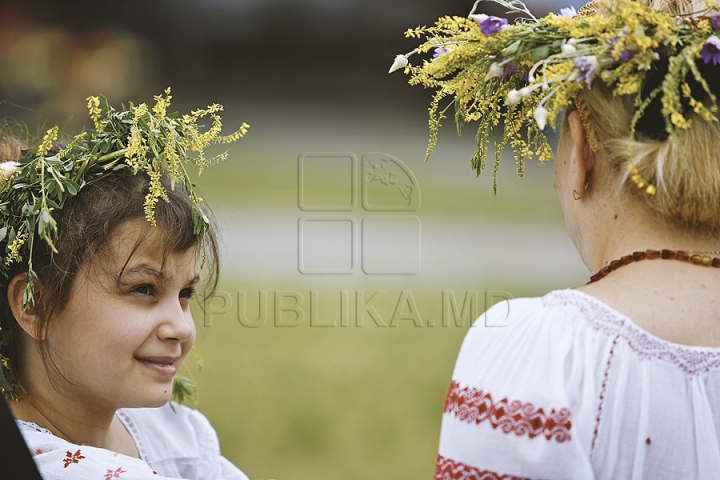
28, 320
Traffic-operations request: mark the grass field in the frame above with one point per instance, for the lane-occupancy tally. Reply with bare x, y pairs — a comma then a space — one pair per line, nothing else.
354, 401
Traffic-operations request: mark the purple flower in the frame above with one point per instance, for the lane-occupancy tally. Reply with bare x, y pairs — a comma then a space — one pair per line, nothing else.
587, 67
715, 21
625, 56
439, 52
492, 25
711, 50
510, 69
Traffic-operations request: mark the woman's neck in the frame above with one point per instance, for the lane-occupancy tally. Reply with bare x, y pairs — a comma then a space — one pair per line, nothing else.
618, 229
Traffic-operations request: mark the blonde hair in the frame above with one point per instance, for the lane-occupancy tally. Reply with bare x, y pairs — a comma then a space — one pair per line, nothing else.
687, 177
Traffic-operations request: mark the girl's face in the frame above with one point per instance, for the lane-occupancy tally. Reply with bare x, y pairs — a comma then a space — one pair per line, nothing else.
119, 343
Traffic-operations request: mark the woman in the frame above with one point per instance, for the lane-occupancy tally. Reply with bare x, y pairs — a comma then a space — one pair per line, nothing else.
619, 378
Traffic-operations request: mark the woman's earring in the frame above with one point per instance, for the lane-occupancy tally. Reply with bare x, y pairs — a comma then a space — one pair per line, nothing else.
578, 196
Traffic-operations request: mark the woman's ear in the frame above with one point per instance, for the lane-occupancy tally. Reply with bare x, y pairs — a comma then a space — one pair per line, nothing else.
27, 319
583, 158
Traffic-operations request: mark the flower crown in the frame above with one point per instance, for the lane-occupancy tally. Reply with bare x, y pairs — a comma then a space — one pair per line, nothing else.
139, 139
536, 67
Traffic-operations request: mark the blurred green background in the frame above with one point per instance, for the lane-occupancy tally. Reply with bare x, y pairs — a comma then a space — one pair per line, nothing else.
292, 400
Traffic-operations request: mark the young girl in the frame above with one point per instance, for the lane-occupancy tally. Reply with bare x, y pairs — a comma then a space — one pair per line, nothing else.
104, 245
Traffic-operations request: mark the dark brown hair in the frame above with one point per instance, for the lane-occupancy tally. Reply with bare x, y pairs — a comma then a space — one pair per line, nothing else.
86, 223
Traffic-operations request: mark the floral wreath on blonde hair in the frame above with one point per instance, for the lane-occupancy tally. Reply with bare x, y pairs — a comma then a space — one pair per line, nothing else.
139, 139
508, 75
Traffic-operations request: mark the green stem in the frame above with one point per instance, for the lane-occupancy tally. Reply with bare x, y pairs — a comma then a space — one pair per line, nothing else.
111, 155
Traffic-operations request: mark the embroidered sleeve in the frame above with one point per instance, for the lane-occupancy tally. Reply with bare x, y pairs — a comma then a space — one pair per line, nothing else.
507, 414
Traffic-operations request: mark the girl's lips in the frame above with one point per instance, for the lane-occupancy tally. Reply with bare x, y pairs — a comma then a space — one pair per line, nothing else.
162, 365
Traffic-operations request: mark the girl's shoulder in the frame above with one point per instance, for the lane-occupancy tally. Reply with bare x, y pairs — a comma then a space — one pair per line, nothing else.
168, 431
59, 459
174, 442
178, 441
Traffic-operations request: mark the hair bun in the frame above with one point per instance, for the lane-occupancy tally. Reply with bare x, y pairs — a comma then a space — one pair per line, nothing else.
676, 7
10, 149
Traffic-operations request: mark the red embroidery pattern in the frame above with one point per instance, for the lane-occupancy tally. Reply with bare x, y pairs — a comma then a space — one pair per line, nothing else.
602, 394
116, 474
692, 360
447, 469
475, 406
72, 458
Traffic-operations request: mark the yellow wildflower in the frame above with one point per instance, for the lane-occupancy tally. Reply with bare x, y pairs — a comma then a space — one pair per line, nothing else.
162, 103
13, 254
95, 112
137, 149
48, 141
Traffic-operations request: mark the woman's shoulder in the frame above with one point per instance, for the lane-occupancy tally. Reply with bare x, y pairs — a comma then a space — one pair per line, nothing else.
177, 440
527, 330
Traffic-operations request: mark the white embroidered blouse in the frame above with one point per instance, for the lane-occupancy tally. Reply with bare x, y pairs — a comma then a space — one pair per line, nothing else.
572, 389
172, 445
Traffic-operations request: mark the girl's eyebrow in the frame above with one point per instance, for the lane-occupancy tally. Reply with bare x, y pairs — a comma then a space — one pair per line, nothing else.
144, 270
158, 275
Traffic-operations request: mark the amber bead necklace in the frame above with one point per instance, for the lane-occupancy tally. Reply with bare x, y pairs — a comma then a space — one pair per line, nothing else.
698, 258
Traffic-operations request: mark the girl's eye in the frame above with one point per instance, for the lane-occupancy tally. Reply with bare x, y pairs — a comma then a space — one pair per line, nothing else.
187, 292
143, 289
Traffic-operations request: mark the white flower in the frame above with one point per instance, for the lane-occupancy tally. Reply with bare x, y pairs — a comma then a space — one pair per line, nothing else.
495, 71
541, 115
573, 41
513, 98
401, 61
525, 92
567, 48
7, 169
480, 17
505, 27
568, 12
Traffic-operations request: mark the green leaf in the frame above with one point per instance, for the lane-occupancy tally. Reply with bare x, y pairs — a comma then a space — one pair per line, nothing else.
582, 46
72, 187
3, 233
540, 53
513, 48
